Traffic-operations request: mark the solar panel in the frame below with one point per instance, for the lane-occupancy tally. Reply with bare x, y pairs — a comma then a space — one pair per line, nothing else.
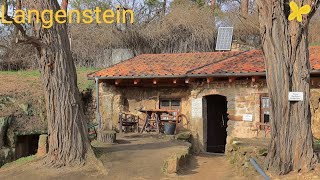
224, 39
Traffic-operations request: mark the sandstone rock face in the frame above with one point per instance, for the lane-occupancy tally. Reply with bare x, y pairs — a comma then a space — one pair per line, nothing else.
315, 111
6, 156
185, 136
4, 124
42, 145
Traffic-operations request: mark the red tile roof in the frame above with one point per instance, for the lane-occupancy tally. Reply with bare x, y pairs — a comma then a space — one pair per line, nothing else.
163, 64
245, 62
188, 64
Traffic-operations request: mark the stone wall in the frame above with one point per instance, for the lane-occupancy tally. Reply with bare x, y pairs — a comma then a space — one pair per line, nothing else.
113, 56
315, 107
115, 99
89, 105
243, 97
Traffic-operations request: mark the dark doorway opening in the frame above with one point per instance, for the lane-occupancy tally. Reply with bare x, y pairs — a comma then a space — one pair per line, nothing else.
26, 145
217, 119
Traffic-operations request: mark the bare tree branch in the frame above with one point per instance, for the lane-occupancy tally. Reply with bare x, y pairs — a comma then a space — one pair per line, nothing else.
26, 39
64, 5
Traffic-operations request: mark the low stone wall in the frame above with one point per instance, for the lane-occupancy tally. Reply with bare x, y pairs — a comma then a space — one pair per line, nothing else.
177, 161
239, 152
180, 159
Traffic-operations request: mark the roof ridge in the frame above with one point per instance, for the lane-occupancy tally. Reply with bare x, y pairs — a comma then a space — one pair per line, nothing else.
215, 62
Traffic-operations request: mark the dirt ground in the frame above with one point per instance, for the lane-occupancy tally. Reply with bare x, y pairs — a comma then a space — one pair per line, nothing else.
135, 157
209, 167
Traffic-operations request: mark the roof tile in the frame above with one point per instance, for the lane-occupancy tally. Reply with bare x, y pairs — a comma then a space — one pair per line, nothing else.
195, 63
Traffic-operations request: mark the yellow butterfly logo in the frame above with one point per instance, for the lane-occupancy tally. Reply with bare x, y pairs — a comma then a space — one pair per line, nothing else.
297, 12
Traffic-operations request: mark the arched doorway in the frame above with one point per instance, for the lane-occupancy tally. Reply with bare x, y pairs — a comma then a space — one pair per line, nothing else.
217, 119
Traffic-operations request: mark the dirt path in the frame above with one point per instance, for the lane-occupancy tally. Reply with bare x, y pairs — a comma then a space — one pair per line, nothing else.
209, 167
136, 157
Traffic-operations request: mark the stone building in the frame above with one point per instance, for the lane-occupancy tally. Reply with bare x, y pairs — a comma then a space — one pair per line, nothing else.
221, 95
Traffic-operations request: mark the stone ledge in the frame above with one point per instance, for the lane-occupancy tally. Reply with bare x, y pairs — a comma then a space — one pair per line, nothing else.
177, 161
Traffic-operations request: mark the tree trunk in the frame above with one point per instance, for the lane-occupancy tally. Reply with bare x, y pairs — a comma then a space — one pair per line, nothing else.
67, 128
244, 7
285, 46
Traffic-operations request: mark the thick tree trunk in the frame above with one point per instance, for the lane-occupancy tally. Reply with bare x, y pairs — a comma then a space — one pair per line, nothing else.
285, 46
67, 129
244, 7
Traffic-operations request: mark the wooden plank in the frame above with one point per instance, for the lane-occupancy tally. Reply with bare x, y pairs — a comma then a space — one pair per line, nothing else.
155, 81
117, 81
174, 81
136, 81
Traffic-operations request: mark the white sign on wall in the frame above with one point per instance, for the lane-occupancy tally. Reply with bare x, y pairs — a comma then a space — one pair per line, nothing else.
296, 96
247, 117
196, 108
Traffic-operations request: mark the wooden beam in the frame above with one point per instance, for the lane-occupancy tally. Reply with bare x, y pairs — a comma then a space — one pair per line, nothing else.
136, 81
232, 79
117, 81
255, 78
174, 81
155, 81
209, 80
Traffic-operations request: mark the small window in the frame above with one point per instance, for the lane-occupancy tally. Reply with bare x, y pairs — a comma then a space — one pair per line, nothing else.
175, 103
165, 103
265, 109
172, 104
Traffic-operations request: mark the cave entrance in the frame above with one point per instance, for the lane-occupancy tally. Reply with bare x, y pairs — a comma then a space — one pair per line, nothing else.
26, 145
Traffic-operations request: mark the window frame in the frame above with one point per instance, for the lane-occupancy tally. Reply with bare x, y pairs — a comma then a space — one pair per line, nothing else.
263, 109
170, 107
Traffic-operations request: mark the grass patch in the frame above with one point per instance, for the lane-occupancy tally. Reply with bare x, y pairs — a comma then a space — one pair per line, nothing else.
26, 73
20, 161
83, 82
82, 72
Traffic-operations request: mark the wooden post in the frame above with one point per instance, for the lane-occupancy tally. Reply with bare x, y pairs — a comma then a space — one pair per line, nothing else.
120, 122
106, 136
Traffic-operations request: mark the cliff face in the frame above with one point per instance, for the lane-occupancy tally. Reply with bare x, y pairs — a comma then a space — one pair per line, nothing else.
23, 108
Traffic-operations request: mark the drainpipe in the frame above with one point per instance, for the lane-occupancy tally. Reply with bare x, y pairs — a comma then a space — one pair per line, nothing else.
97, 101
257, 167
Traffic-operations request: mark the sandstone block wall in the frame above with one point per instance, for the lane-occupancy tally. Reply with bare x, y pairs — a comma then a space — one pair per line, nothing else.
113, 100
243, 97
